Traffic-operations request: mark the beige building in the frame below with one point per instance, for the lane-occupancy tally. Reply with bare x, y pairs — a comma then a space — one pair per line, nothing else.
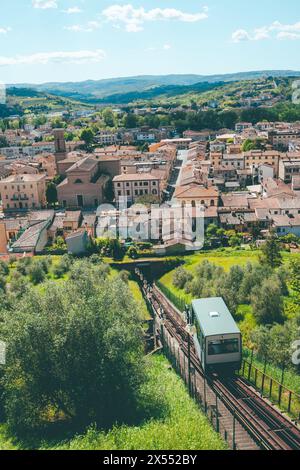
259, 157
84, 185
194, 193
19, 192
133, 186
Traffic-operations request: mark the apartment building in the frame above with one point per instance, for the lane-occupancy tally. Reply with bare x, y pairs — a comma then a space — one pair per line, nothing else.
27, 191
281, 139
254, 158
241, 126
133, 186
289, 167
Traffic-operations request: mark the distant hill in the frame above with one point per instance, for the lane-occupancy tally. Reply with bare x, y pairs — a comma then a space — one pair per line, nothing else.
96, 90
21, 99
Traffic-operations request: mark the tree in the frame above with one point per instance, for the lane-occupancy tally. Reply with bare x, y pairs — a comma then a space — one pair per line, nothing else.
130, 121
3, 142
109, 117
75, 354
36, 273
115, 249
2, 284
295, 277
4, 269
180, 277
18, 285
132, 252
51, 193
212, 230
271, 255
235, 241
87, 135
63, 266
250, 144
267, 302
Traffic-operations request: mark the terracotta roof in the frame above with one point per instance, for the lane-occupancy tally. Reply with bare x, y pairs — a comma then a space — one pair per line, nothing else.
135, 177
26, 178
86, 164
195, 191
235, 200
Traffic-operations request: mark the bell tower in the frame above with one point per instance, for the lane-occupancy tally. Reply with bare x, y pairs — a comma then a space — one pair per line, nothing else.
60, 145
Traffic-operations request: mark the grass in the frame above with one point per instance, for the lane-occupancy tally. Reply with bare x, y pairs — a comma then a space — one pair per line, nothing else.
181, 426
136, 292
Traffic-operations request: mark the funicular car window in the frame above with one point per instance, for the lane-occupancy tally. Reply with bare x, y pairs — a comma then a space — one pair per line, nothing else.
225, 346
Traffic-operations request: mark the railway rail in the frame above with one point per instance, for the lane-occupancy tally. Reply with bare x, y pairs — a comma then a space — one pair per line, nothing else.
250, 420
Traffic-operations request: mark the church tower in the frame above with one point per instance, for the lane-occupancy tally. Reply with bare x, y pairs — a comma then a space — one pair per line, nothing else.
60, 145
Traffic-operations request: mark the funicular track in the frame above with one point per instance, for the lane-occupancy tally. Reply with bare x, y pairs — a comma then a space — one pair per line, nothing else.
245, 419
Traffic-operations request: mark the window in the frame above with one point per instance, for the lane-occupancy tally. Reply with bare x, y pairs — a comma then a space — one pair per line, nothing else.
154, 192
78, 181
212, 202
226, 346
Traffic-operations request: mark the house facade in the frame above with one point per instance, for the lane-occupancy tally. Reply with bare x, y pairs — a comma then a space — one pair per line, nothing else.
22, 192
84, 185
134, 186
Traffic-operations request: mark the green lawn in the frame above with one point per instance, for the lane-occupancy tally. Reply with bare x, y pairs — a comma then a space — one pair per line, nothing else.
181, 426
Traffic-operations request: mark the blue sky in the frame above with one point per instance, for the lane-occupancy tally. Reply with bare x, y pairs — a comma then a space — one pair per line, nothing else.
73, 40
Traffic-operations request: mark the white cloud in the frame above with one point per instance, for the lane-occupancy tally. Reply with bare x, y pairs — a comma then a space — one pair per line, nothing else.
44, 4
43, 58
4, 30
164, 47
276, 30
286, 35
72, 10
88, 28
240, 35
133, 19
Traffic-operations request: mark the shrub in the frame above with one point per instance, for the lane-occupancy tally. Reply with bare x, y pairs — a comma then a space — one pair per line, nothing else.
4, 269
181, 277
36, 272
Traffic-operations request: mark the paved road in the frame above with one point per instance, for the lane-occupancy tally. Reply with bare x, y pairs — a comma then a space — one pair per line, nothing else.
182, 157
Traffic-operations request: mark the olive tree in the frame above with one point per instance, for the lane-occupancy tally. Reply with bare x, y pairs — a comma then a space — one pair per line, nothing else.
74, 353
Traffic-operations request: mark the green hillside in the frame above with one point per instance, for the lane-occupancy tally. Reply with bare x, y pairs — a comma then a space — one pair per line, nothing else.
227, 95
92, 90
20, 100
